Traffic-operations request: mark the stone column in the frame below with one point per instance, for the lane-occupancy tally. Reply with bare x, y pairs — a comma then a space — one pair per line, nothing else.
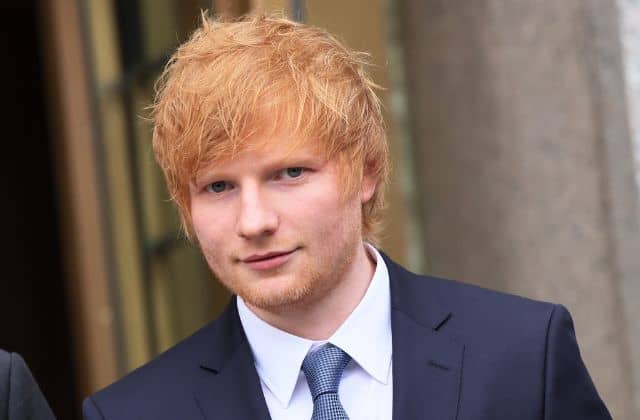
524, 164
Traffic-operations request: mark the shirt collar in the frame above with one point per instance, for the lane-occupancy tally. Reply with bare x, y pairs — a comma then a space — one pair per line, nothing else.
365, 335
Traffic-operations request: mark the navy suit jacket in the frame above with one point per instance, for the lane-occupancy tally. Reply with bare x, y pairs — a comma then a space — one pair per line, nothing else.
20, 396
459, 352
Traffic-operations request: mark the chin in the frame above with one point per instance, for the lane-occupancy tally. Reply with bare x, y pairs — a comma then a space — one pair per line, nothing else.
272, 294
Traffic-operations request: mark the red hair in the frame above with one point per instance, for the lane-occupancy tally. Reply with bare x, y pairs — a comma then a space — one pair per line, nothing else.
233, 79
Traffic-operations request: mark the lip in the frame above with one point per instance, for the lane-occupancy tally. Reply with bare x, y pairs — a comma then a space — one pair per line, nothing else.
269, 260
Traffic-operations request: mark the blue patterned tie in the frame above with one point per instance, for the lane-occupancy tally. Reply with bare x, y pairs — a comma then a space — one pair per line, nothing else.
323, 369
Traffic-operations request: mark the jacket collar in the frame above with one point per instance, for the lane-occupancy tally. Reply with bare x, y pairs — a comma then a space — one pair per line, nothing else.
427, 363
229, 386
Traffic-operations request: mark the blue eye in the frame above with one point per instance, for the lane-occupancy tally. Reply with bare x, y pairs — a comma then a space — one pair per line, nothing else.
294, 172
217, 187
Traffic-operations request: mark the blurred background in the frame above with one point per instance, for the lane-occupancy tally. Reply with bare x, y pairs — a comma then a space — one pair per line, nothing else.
515, 134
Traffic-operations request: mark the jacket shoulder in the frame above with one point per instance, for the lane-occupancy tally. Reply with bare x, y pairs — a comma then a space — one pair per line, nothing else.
173, 363
171, 376
471, 312
20, 395
466, 297
5, 368
521, 349
5, 363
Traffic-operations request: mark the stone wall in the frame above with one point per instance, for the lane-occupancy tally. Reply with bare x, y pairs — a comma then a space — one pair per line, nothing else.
525, 165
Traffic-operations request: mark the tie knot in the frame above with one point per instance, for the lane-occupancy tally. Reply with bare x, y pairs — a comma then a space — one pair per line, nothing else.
323, 369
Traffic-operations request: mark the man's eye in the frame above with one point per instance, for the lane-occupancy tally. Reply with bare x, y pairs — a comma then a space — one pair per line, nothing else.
293, 172
217, 187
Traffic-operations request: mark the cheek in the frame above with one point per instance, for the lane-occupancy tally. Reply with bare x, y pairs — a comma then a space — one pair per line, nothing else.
213, 252
325, 216
208, 229
200, 227
313, 211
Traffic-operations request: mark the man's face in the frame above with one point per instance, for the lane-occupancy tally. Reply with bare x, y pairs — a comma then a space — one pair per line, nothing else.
275, 226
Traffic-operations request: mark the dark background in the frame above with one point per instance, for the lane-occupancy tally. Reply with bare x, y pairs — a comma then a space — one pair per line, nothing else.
33, 306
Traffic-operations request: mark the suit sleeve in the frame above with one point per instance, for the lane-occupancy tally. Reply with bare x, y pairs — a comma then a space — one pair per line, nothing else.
90, 410
569, 390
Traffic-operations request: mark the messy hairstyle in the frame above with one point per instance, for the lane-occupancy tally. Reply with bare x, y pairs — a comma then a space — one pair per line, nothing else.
234, 79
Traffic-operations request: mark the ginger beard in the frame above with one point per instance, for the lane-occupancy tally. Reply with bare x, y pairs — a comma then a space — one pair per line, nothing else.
309, 281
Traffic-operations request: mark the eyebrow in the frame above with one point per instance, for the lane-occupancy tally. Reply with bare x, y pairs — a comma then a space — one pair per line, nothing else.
288, 161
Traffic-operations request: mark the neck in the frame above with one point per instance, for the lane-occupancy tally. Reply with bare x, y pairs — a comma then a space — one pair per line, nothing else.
317, 318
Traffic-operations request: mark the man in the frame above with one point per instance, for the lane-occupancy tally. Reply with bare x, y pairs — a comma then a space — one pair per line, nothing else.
271, 139
20, 396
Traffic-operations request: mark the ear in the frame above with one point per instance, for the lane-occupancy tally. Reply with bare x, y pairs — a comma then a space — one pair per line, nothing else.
367, 188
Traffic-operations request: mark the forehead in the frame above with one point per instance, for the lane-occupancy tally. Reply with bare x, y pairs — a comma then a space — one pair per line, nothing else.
281, 141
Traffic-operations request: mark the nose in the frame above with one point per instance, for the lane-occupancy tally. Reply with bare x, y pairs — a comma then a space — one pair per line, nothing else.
256, 216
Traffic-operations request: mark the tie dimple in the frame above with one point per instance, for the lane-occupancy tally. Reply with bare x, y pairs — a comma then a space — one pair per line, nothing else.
323, 370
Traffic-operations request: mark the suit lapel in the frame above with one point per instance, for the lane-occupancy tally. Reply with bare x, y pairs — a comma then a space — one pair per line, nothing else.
427, 364
229, 387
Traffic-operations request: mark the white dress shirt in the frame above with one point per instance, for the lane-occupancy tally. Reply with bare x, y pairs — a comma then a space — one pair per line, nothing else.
366, 387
